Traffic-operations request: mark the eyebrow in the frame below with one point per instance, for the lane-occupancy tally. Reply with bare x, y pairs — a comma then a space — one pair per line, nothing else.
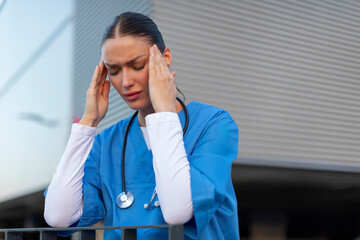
109, 65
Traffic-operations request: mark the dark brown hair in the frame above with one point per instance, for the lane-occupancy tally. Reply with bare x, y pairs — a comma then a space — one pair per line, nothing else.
134, 24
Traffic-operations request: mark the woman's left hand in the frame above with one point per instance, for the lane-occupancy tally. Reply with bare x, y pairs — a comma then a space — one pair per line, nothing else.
162, 87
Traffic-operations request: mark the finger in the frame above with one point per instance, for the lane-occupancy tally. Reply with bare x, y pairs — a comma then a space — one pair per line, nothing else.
101, 87
106, 89
103, 80
102, 72
102, 77
94, 78
161, 63
158, 63
152, 64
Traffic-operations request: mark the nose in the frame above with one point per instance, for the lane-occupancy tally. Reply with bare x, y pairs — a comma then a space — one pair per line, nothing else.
127, 80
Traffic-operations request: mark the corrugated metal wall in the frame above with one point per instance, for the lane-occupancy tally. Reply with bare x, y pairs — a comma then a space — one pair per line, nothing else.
287, 71
92, 18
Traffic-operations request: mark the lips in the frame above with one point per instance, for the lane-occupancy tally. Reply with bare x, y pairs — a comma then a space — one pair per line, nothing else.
131, 96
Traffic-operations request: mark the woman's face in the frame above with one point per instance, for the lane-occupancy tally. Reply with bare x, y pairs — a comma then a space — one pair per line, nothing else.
127, 61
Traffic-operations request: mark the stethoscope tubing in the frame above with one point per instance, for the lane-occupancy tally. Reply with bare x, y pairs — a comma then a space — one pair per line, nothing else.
124, 148
123, 152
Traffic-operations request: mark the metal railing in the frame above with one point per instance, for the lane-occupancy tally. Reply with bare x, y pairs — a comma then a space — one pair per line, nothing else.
176, 232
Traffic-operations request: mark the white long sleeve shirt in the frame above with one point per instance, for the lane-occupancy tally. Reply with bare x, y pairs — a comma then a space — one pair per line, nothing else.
163, 135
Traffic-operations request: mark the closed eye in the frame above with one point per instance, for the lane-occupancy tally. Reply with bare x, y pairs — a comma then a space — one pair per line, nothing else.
113, 73
139, 68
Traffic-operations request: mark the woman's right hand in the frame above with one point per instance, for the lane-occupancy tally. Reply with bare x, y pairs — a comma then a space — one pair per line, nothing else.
97, 97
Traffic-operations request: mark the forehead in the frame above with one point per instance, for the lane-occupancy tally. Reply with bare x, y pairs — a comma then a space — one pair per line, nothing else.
122, 49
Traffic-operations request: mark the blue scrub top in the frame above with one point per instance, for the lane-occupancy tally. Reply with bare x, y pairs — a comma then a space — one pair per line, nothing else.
211, 143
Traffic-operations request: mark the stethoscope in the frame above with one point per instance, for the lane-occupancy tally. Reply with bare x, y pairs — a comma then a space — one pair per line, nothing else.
126, 198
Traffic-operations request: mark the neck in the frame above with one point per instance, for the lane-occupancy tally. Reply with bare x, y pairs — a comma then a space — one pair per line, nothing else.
144, 112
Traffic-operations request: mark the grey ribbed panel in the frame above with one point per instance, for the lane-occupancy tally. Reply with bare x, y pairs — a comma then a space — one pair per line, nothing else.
92, 18
287, 71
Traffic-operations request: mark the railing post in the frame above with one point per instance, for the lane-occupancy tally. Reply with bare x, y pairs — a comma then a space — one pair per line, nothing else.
48, 235
13, 236
176, 232
128, 234
87, 235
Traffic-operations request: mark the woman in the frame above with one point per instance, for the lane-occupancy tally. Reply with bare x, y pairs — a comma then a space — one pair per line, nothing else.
169, 178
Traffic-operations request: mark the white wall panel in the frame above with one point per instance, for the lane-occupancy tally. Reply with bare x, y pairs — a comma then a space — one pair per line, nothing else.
287, 71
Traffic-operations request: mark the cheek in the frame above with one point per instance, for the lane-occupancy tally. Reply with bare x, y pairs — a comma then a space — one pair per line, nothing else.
115, 83
144, 76
111, 80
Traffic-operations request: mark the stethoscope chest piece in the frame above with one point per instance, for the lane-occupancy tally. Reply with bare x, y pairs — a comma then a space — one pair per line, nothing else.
125, 200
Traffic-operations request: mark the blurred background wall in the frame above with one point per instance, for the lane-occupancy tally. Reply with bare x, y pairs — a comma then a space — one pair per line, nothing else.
35, 102
287, 71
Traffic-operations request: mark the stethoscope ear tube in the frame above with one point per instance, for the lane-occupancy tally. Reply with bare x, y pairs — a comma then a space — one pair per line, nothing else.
186, 115
126, 199
123, 152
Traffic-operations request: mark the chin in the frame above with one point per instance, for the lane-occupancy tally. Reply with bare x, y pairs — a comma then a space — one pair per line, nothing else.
139, 105
134, 106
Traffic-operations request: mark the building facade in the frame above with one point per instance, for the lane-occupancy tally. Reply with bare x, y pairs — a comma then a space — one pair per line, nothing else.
288, 72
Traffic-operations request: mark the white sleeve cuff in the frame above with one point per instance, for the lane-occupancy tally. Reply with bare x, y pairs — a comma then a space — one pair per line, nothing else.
80, 129
160, 117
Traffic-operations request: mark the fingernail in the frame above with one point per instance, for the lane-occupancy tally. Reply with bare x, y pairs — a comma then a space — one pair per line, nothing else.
152, 50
